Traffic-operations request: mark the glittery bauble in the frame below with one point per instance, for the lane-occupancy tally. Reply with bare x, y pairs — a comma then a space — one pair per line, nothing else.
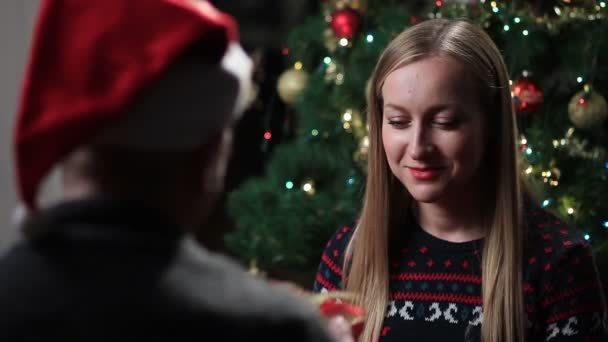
527, 96
291, 84
360, 155
345, 23
368, 88
587, 108
360, 129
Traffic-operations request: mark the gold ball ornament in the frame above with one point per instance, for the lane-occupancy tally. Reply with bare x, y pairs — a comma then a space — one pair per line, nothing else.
368, 88
360, 129
360, 155
291, 84
587, 108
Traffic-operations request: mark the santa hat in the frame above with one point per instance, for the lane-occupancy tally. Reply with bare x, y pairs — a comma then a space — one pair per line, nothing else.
112, 72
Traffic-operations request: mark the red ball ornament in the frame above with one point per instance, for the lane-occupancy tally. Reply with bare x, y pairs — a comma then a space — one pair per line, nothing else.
345, 23
527, 96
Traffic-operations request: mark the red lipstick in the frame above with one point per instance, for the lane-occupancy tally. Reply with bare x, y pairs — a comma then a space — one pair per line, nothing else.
426, 173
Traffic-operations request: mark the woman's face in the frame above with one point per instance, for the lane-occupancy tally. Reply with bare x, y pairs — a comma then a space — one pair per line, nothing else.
433, 128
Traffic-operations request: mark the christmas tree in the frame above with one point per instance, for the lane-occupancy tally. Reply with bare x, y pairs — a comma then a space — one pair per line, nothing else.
557, 54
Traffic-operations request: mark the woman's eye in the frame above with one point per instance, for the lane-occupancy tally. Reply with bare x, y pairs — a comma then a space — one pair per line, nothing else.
397, 123
447, 124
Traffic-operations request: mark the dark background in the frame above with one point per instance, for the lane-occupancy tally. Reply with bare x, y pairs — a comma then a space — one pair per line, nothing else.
264, 26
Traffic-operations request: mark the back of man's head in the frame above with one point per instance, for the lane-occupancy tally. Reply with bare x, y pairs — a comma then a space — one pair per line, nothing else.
129, 93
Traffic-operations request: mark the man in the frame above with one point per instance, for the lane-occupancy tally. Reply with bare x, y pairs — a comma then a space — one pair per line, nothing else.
135, 102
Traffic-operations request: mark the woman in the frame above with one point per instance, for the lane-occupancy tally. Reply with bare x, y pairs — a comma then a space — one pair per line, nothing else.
444, 227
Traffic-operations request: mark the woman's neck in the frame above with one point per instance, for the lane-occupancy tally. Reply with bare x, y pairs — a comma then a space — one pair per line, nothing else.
454, 221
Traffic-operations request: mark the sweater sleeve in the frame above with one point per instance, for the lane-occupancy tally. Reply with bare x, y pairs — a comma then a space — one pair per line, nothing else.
330, 272
572, 298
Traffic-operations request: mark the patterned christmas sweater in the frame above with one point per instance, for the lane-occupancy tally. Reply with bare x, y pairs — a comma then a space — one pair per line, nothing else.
435, 285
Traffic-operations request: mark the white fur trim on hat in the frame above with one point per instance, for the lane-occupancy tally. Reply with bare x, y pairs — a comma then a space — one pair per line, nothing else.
188, 104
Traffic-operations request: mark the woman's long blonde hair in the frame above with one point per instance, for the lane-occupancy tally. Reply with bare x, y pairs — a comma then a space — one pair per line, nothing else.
386, 199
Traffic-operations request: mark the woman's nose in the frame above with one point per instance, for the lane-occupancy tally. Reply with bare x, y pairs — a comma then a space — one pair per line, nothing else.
419, 145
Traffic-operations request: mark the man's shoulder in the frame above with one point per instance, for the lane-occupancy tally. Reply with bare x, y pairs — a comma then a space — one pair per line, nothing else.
206, 294
214, 285
227, 285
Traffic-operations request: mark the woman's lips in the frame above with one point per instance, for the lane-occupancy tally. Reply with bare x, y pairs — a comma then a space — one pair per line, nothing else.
425, 173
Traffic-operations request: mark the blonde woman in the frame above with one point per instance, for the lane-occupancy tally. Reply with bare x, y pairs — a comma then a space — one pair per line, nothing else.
445, 249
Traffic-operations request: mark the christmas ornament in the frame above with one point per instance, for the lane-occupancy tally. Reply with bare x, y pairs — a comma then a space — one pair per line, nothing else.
291, 84
578, 3
360, 155
587, 108
368, 88
360, 129
345, 23
527, 96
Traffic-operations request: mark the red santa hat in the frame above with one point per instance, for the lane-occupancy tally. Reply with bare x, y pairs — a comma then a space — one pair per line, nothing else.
105, 72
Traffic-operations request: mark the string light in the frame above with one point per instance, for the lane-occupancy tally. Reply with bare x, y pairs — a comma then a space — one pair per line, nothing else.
506, 28
289, 185
524, 141
587, 237
343, 42
308, 188
528, 151
570, 132
579, 79
546, 203
339, 78
495, 9
327, 60
348, 115
285, 51
438, 3
529, 170
602, 4
605, 224
517, 20
570, 211
370, 38
351, 181
267, 135
314, 132
365, 142
297, 65
525, 32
